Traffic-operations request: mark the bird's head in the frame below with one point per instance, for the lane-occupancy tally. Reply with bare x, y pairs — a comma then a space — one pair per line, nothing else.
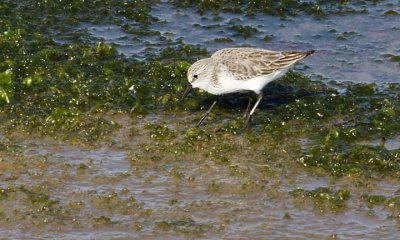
199, 72
199, 75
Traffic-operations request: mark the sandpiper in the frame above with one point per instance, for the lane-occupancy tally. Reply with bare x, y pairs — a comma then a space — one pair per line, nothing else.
232, 70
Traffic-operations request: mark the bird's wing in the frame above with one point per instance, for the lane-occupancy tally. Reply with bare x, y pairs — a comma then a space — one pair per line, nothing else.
247, 63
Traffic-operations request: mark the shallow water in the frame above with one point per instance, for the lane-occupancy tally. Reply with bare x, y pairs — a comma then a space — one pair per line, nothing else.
350, 47
175, 199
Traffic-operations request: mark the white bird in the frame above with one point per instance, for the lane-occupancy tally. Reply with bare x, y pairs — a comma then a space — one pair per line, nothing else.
232, 70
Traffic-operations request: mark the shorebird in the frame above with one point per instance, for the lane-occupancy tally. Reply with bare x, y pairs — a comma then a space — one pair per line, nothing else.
232, 70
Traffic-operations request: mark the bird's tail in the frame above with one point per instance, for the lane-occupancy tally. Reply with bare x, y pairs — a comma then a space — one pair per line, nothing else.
308, 53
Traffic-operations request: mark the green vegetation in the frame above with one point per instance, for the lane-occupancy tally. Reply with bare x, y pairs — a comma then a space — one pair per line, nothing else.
5, 192
336, 200
243, 31
69, 90
277, 8
187, 226
390, 203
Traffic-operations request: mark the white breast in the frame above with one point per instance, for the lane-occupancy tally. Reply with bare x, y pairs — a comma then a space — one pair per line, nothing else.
229, 84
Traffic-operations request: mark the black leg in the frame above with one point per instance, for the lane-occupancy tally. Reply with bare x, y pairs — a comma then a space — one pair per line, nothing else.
248, 118
205, 115
248, 108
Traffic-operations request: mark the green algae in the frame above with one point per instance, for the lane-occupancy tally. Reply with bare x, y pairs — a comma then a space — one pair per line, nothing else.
353, 160
268, 38
391, 203
373, 199
276, 8
5, 192
223, 40
79, 84
337, 122
186, 226
392, 57
62, 88
159, 133
5, 86
38, 198
102, 221
390, 13
243, 31
58, 87
324, 197
63, 14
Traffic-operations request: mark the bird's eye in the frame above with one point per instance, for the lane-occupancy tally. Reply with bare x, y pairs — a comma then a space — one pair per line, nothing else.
195, 76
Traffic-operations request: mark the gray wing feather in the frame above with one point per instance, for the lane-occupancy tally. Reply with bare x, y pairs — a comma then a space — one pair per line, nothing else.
246, 63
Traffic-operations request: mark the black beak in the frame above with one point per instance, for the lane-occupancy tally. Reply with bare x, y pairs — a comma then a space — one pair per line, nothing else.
187, 91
